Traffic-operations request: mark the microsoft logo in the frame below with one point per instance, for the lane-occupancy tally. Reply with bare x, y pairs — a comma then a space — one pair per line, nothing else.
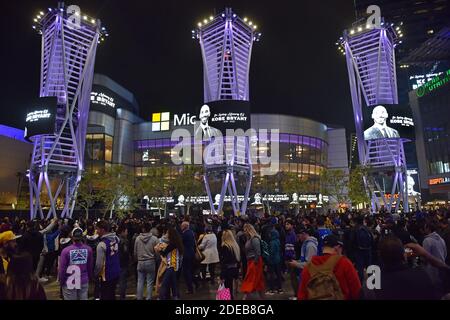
161, 121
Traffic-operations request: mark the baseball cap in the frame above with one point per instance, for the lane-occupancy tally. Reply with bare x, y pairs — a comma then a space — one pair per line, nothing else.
307, 230
7, 236
77, 233
331, 241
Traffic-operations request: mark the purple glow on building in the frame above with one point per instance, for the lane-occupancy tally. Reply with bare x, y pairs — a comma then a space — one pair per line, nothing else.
12, 133
284, 138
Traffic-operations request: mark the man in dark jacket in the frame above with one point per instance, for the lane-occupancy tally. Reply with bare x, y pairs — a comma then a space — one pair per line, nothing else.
188, 238
398, 280
124, 256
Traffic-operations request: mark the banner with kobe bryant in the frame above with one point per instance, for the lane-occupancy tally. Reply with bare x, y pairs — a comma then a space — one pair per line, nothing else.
218, 116
41, 117
388, 121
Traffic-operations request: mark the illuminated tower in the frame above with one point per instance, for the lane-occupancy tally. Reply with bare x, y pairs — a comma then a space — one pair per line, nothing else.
370, 55
226, 43
69, 43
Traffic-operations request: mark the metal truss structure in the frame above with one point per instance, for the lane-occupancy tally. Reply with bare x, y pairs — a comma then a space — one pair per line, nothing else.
370, 55
226, 43
67, 69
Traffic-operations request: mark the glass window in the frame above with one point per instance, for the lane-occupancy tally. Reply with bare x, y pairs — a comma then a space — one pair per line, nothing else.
108, 148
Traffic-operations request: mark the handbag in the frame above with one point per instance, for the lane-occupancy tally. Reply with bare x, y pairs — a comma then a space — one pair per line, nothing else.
199, 256
223, 293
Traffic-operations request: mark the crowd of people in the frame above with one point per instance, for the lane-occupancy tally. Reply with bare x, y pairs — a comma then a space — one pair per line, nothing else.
310, 255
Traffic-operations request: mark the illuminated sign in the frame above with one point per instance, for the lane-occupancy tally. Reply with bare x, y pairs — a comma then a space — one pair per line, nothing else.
387, 121
402, 121
41, 118
275, 198
434, 84
420, 79
436, 181
38, 115
102, 99
161, 121
216, 117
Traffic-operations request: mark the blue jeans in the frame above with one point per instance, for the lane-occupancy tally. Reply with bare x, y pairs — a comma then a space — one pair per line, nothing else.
169, 285
146, 272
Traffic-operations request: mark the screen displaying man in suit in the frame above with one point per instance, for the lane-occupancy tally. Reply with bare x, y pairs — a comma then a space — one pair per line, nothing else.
380, 129
204, 128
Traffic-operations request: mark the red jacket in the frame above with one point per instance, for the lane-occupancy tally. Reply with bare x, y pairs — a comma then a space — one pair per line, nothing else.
345, 273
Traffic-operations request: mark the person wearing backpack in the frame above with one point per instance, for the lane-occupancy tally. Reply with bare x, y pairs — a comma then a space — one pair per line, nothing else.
363, 243
330, 276
254, 278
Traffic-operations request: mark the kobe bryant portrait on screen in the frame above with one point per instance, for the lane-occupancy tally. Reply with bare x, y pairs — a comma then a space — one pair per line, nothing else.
204, 128
380, 129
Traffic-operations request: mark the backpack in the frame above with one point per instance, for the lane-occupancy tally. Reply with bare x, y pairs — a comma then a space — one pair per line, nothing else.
323, 284
364, 238
264, 250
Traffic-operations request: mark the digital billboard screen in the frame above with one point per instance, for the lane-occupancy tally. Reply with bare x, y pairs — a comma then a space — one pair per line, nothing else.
216, 117
388, 121
41, 117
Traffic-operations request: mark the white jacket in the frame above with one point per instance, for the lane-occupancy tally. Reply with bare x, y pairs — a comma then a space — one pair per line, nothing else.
208, 246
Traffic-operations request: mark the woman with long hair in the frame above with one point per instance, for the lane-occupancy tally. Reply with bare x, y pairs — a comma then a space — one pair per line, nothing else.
21, 282
254, 278
172, 253
230, 256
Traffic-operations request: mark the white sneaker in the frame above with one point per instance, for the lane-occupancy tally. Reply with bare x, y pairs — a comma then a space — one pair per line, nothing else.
43, 279
293, 298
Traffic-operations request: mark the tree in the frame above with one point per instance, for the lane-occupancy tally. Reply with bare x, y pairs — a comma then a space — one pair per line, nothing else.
86, 195
266, 184
334, 183
155, 185
189, 182
117, 191
357, 190
291, 183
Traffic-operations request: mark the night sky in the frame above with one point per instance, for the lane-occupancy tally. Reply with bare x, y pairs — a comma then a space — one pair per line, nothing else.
295, 69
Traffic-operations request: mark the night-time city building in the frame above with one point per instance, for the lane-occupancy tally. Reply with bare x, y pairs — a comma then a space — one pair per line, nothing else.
306, 146
430, 105
117, 135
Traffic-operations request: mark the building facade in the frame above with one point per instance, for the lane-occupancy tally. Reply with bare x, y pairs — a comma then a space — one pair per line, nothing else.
13, 166
430, 104
117, 135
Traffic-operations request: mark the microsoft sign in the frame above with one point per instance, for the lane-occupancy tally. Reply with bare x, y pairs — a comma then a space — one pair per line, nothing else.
434, 84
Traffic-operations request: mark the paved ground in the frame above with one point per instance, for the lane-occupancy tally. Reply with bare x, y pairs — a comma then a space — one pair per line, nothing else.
206, 291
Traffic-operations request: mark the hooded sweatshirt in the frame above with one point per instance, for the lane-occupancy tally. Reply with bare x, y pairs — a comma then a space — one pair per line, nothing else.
76, 254
274, 248
144, 247
309, 249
